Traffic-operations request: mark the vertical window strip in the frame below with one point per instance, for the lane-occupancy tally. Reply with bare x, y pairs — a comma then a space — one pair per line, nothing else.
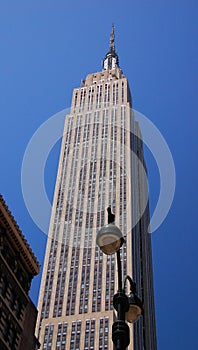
71, 183
75, 101
110, 277
89, 334
114, 96
90, 98
68, 217
82, 99
105, 95
84, 293
73, 277
75, 336
49, 280
71, 299
124, 194
83, 308
123, 184
99, 96
122, 92
61, 336
104, 333
108, 95
110, 272
103, 166
59, 296
48, 336
97, 284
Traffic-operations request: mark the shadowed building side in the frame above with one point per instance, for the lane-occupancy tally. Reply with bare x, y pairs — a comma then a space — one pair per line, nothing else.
18, 266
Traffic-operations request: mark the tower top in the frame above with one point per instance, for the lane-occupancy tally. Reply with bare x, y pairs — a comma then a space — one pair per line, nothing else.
111, 59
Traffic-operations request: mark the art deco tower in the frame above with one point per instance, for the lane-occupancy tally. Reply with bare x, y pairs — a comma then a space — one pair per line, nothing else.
101, 164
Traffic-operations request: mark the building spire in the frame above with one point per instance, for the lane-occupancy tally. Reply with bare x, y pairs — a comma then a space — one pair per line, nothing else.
112, 40
111, 59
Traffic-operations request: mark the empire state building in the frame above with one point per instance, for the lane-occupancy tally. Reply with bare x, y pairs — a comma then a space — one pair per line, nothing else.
101, 164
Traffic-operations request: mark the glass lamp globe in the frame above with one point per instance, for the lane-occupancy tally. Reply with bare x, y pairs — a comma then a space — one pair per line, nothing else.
135, 308
109, 239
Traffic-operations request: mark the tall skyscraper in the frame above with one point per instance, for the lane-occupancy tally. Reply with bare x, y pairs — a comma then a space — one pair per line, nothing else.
101, 164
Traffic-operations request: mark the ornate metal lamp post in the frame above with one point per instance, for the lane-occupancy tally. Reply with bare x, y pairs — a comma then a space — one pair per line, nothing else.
129, 308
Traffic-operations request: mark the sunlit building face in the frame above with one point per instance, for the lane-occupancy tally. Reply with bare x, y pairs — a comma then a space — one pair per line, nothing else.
101, 164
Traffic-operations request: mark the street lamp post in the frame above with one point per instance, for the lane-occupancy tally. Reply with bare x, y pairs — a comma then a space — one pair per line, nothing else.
129, 308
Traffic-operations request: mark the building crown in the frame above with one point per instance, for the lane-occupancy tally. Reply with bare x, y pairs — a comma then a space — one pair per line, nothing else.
111, 60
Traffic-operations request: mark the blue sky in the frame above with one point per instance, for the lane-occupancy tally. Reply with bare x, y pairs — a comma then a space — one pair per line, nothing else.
47, 47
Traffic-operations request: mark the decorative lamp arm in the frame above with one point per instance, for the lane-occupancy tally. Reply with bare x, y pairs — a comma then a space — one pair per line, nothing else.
132, 284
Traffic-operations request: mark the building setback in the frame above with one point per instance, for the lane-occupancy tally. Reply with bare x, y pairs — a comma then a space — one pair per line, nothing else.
101, 164
18, 266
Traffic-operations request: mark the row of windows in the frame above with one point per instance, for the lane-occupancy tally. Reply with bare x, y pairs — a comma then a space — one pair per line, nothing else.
83, 126
98, 96
74, 342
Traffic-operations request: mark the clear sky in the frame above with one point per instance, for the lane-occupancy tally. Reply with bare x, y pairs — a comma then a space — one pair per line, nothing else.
47, 47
